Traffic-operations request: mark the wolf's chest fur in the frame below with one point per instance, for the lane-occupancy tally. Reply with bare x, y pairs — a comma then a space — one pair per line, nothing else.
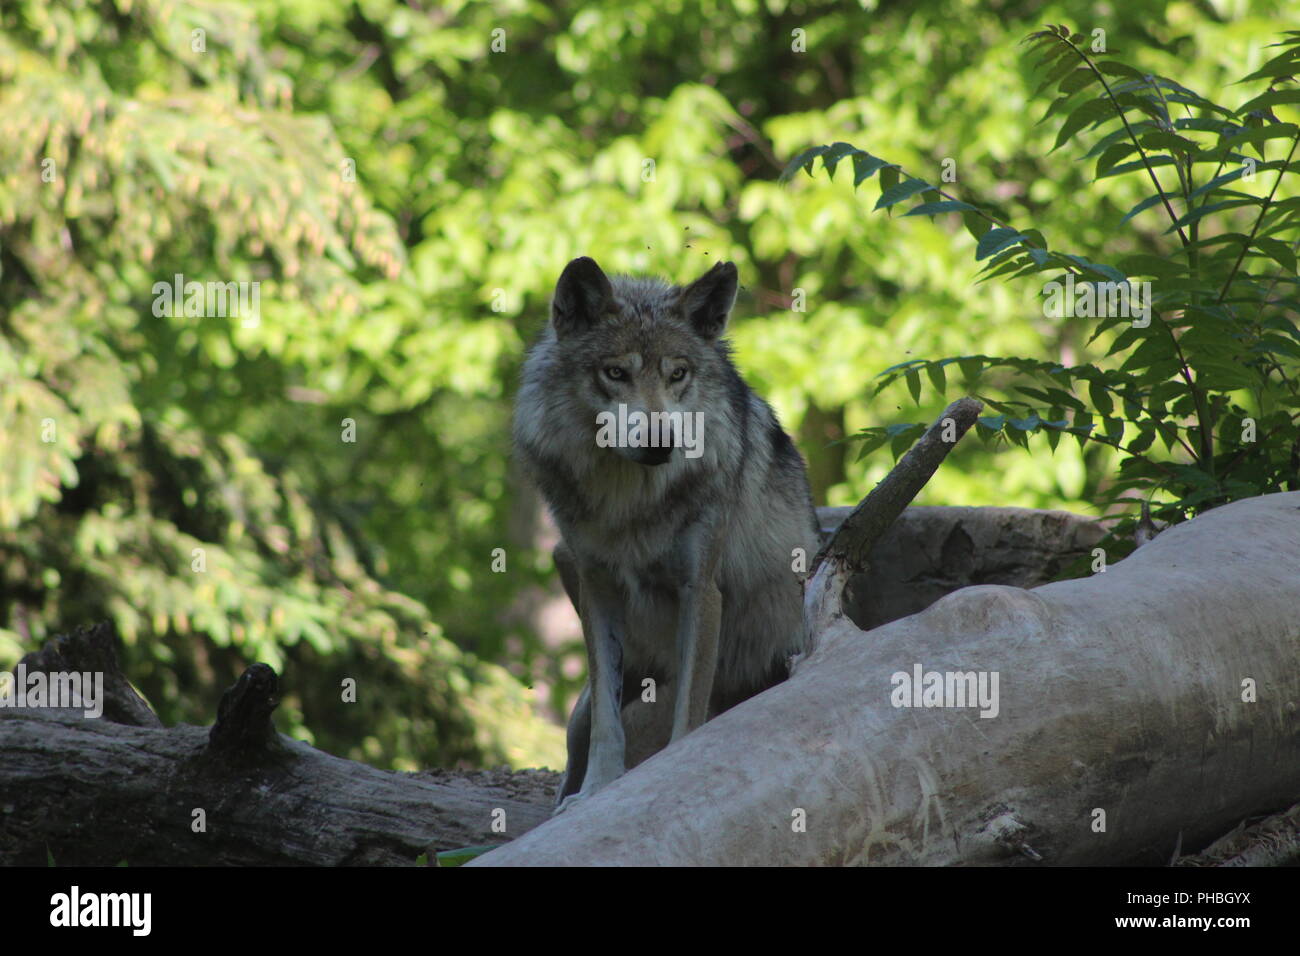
632, 516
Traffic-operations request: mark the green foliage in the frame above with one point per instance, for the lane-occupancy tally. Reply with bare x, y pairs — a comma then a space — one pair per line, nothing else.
1212, 370
463, 855
147, 477
402, 301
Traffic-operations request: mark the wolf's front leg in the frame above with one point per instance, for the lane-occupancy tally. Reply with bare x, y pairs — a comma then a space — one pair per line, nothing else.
699, 618
578, 739
603, 627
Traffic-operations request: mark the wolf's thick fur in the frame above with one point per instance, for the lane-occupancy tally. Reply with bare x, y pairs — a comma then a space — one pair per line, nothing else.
658, 545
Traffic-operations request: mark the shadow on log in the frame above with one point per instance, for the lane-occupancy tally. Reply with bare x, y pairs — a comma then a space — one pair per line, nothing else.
931, 551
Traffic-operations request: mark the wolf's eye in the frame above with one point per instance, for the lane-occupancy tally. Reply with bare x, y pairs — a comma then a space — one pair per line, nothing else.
614, 372
679, 373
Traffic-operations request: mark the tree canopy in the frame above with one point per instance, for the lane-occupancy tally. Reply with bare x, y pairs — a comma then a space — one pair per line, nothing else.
325, 486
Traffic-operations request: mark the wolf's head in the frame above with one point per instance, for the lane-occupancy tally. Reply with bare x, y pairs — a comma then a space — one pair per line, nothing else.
643, 354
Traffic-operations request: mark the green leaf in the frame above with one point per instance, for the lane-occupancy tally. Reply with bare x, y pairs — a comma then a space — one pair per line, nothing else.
1152, 350
995, 240
1077, 80
1143, 101
1114, 428
938, 378
1218, 181
1153, 161
1143, 206
1286, 63
903, 436
1012, 260
897, 194
1268, 100
1143, 264
1162, 139
1058, 105
1091, 112
1280, 252
971, 366
975, 224
1060, 396
804, 160
1111, 156
888, 178
831, 158
1202, 211
1082, 428
1126, 338
872, 438
462, 855
913, 384
1065, 63
1120, 135
1258, 134
1146, 437
1095, 268
933, 208
865, 166
1115, 68
1101, 400
908, 364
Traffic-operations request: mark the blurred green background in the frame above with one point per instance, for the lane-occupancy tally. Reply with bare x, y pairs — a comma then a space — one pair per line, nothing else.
405, 180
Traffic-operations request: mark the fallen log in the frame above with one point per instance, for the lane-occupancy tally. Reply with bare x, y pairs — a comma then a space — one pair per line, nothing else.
101, 791
1150, 706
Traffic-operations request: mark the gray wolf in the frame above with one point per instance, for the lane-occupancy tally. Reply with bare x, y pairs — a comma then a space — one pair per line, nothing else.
683, 545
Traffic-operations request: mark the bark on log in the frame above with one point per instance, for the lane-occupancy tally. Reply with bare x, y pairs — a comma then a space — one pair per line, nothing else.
1274, 841
932, 550
97, 792
1124, 693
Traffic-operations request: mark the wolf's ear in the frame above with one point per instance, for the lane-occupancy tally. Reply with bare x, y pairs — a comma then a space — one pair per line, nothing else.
582, 296
708, 300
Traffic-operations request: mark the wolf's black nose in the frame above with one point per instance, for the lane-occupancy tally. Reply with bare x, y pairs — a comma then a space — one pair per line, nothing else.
657, 455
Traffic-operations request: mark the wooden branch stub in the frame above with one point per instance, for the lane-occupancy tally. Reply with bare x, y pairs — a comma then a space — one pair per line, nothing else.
852, 540
93, 649
244, 725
